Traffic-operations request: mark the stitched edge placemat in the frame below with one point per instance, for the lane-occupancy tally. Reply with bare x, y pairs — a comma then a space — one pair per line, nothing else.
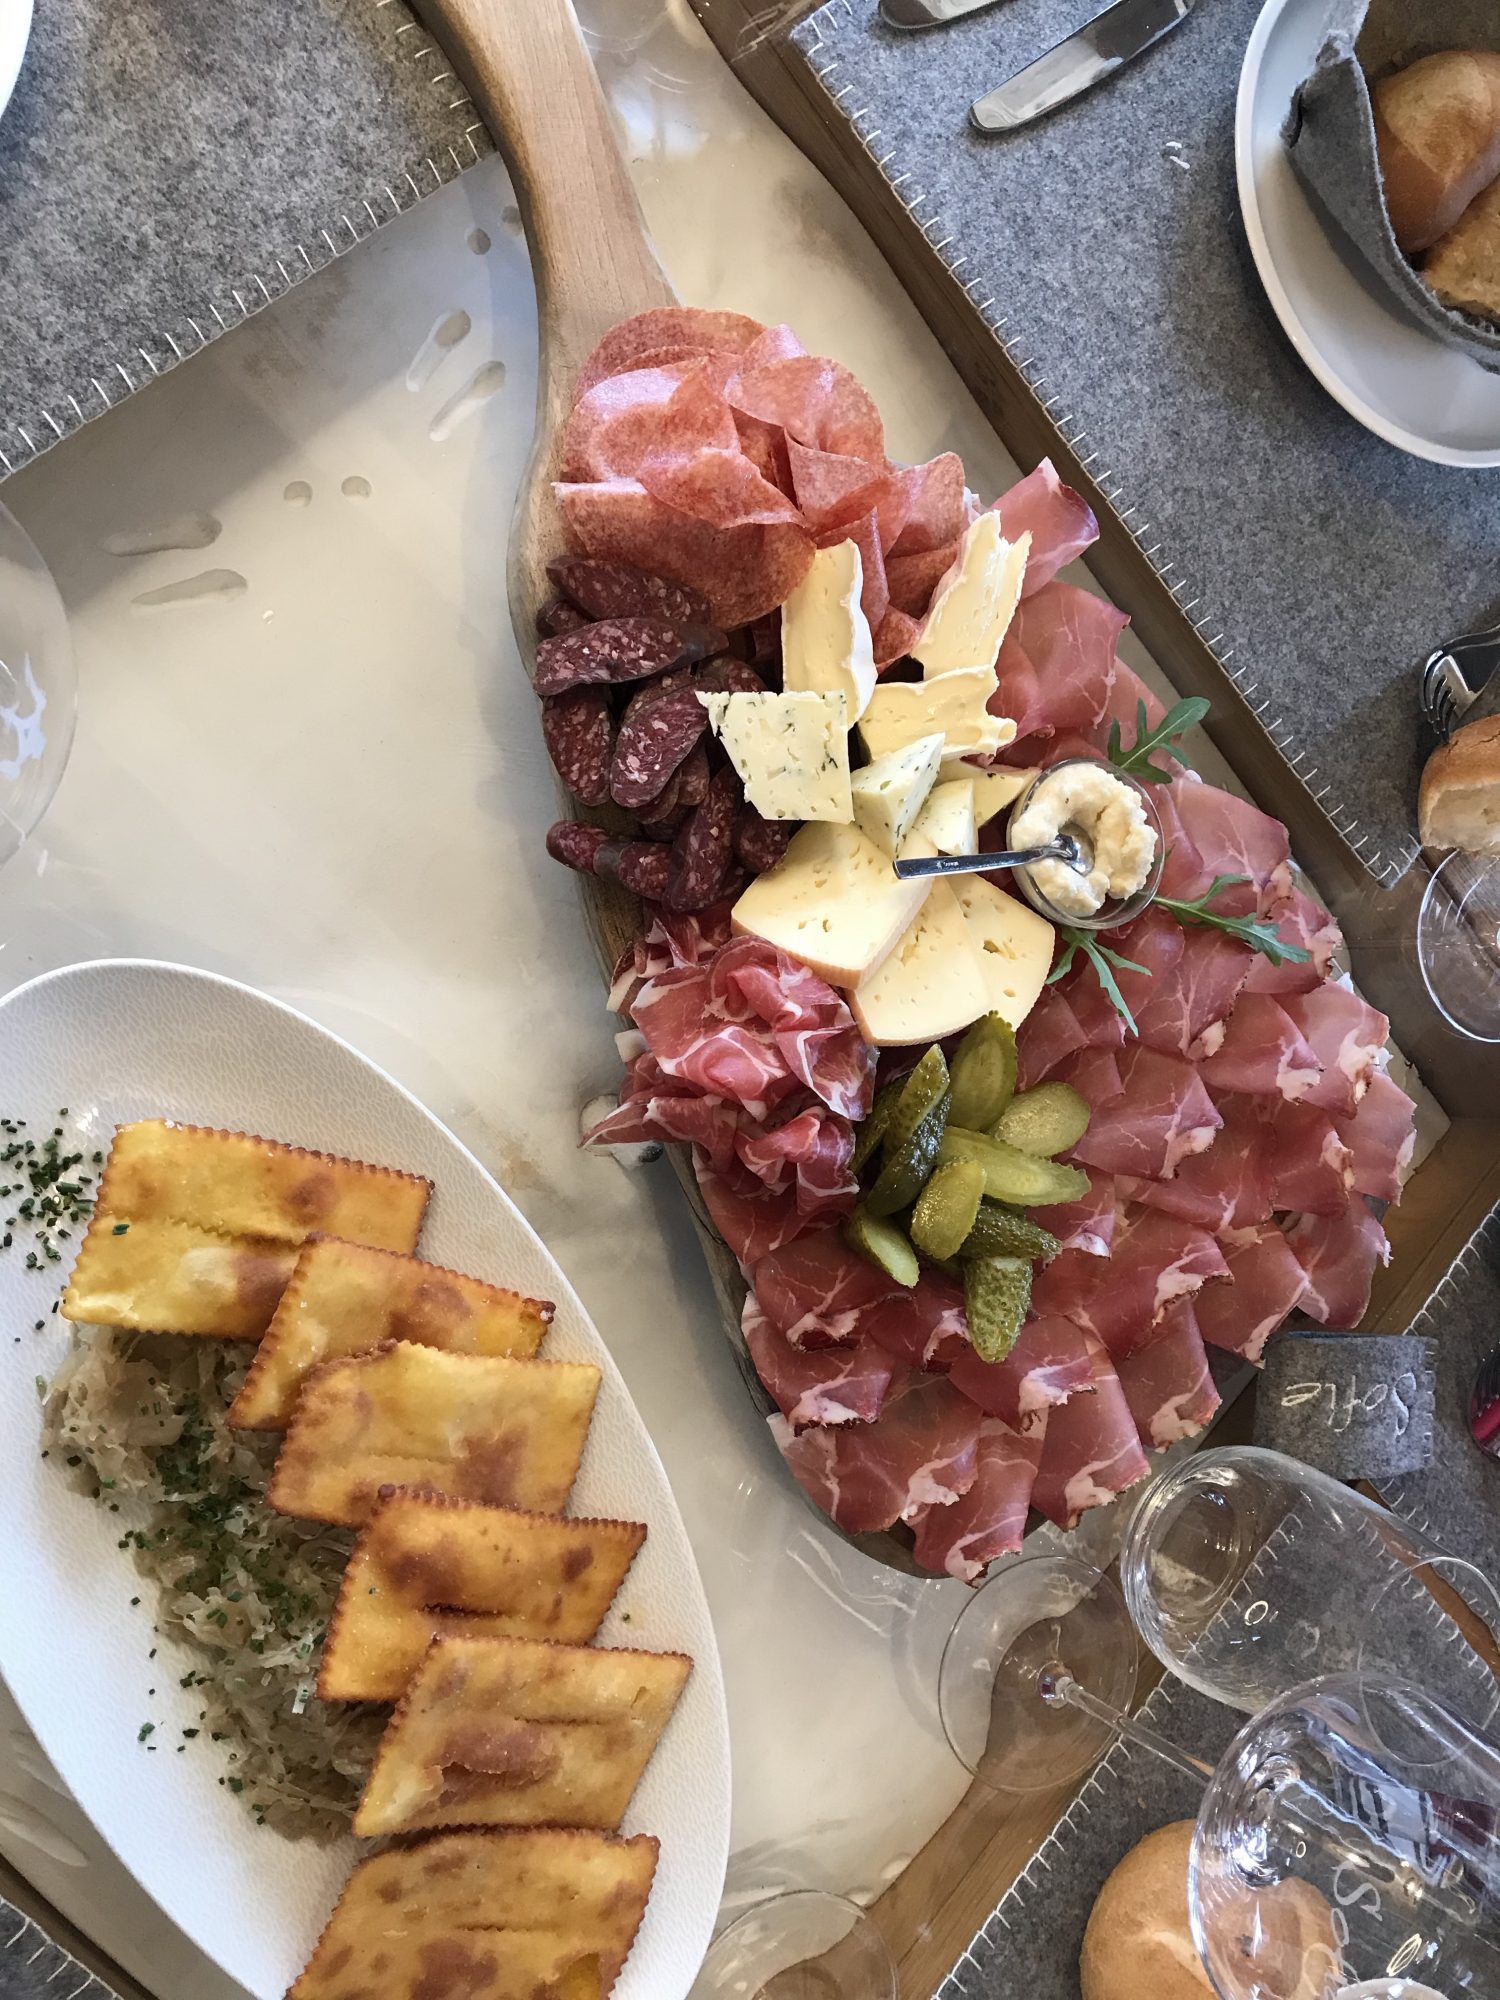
32, 1967
1103, 250
168, 171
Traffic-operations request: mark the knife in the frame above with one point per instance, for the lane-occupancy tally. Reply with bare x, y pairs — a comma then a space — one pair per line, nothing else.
1100, 47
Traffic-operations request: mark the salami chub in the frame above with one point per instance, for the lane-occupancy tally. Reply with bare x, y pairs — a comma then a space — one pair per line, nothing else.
615, 590
580, 733
618, 649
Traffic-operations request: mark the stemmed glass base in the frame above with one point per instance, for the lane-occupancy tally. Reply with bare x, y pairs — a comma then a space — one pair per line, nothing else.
807, 1945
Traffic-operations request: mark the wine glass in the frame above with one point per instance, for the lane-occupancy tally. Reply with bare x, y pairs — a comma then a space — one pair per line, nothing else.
1458, 944
37, 687
805, 1945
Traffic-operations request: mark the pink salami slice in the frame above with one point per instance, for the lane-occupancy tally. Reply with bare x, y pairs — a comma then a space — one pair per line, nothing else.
817, 402
687, 327
703, 852
622, 420
830, 485
615, 590
932, 505
655, 738
614, 649
580, 736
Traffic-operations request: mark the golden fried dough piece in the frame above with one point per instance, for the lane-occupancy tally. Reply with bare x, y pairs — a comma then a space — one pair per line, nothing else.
426, 1567
517, 1732
176, 1277
476, 1426
346, 1297
485, 1916
247, 1186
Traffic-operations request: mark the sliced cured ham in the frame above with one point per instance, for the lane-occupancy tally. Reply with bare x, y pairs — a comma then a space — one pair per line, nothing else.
1125, 700
1266, 1282
1380, 1137
925, 1327
1346, 1035
1093, 1073
1048, 1364
1303, 922
752, 1219
809, 1153
1057, 662
1060, 522
1091, 1450
921, 1451
1312, 1170
1168, 1383
824, 1385
1050, 1033
1163, 1116
1155, 943
1264, 1053
1338, 1255
1232, 837
815, 1289
1088, 1224
1095, 1012
1228, 1187
1156, 1260
1184, 1012
990, 1520
754, 985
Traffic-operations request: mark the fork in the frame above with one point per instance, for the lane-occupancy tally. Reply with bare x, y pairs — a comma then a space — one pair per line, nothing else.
1454, 677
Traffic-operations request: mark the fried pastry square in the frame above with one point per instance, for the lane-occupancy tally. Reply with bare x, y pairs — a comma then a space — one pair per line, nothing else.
246, 1186
518, 1732
176, 1277
478, 1427
346, 1297
488, 1916
427, 1567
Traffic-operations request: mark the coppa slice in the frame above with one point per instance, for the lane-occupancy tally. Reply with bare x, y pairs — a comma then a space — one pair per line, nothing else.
932, 985
974, 603
486, 1915
478, 1427
520, 1732
825, 638
157, 1276
345, 1298
1013, 943
955, 704
834, 902
427, 1566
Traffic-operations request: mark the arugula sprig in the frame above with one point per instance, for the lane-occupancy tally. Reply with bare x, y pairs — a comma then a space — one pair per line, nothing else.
1257, 932
1105, 963
1136, 761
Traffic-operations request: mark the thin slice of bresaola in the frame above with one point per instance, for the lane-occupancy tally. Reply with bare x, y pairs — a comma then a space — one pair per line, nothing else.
425, 1565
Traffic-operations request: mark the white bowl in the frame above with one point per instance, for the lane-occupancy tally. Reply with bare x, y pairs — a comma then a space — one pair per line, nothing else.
15, 32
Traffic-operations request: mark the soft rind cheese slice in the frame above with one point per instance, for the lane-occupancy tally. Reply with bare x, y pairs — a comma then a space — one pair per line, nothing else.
974, 603
954, 705
825, 638
792, 750
834, 901
933, 984
891, 792
946, 824
1013, 943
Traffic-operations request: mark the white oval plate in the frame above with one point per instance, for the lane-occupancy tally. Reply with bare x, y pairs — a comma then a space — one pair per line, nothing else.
1389, 373
121, 1039
15, 33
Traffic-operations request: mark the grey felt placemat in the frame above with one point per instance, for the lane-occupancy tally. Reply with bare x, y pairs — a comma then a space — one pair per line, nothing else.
1104, 250
32, 1967
167, 169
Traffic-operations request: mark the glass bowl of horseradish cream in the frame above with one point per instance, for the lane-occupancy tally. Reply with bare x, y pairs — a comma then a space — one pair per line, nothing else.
1112, 821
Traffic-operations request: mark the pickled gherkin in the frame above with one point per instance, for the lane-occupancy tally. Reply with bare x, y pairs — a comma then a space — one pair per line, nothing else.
997, 1297
870, 1134
984, 1073
883, 1244
997, 1232
1011, 1175
912, 1135
946, 1208
1043, 1121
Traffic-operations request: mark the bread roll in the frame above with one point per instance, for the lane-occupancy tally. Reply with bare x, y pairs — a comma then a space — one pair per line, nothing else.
1463, 267
1459, 802
1437, 130
1139, 1943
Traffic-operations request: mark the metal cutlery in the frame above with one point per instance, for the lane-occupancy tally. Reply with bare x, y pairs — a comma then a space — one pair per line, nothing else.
1077, 854
1459, 682
1099, 48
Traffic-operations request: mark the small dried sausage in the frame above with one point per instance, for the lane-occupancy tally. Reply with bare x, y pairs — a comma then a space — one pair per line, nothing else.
580, 735
576, 845
703, 851
559, 616
759, 843
616, 649
655, 738
615, 590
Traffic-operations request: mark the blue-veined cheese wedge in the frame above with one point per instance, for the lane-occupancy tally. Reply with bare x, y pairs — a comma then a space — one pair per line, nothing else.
791, 750
890, 792
954, 706
825, 637
834, 901
974, 603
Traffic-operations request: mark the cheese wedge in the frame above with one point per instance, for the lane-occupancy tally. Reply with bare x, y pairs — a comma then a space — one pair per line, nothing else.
890, 793
974, 603
834, 901
954, 706
825, 639
993, 790
1014, 945
792, 750
946, 824
933, 984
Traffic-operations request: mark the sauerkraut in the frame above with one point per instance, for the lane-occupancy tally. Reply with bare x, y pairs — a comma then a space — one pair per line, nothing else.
137, 1421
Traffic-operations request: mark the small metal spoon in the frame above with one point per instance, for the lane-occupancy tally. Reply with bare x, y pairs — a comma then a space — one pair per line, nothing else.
1075, 850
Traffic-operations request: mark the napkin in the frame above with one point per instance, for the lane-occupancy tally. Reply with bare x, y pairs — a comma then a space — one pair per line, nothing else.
1330, 134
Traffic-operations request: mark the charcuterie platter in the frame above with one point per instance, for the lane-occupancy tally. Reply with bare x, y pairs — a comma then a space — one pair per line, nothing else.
984, 1182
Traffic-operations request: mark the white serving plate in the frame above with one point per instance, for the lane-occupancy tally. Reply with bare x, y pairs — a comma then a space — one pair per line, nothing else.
120, 1039
1385, 369
15, 32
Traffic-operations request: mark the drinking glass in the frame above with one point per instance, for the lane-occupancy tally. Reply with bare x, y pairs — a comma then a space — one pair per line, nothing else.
806, 1945
1458, 944
37, 687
